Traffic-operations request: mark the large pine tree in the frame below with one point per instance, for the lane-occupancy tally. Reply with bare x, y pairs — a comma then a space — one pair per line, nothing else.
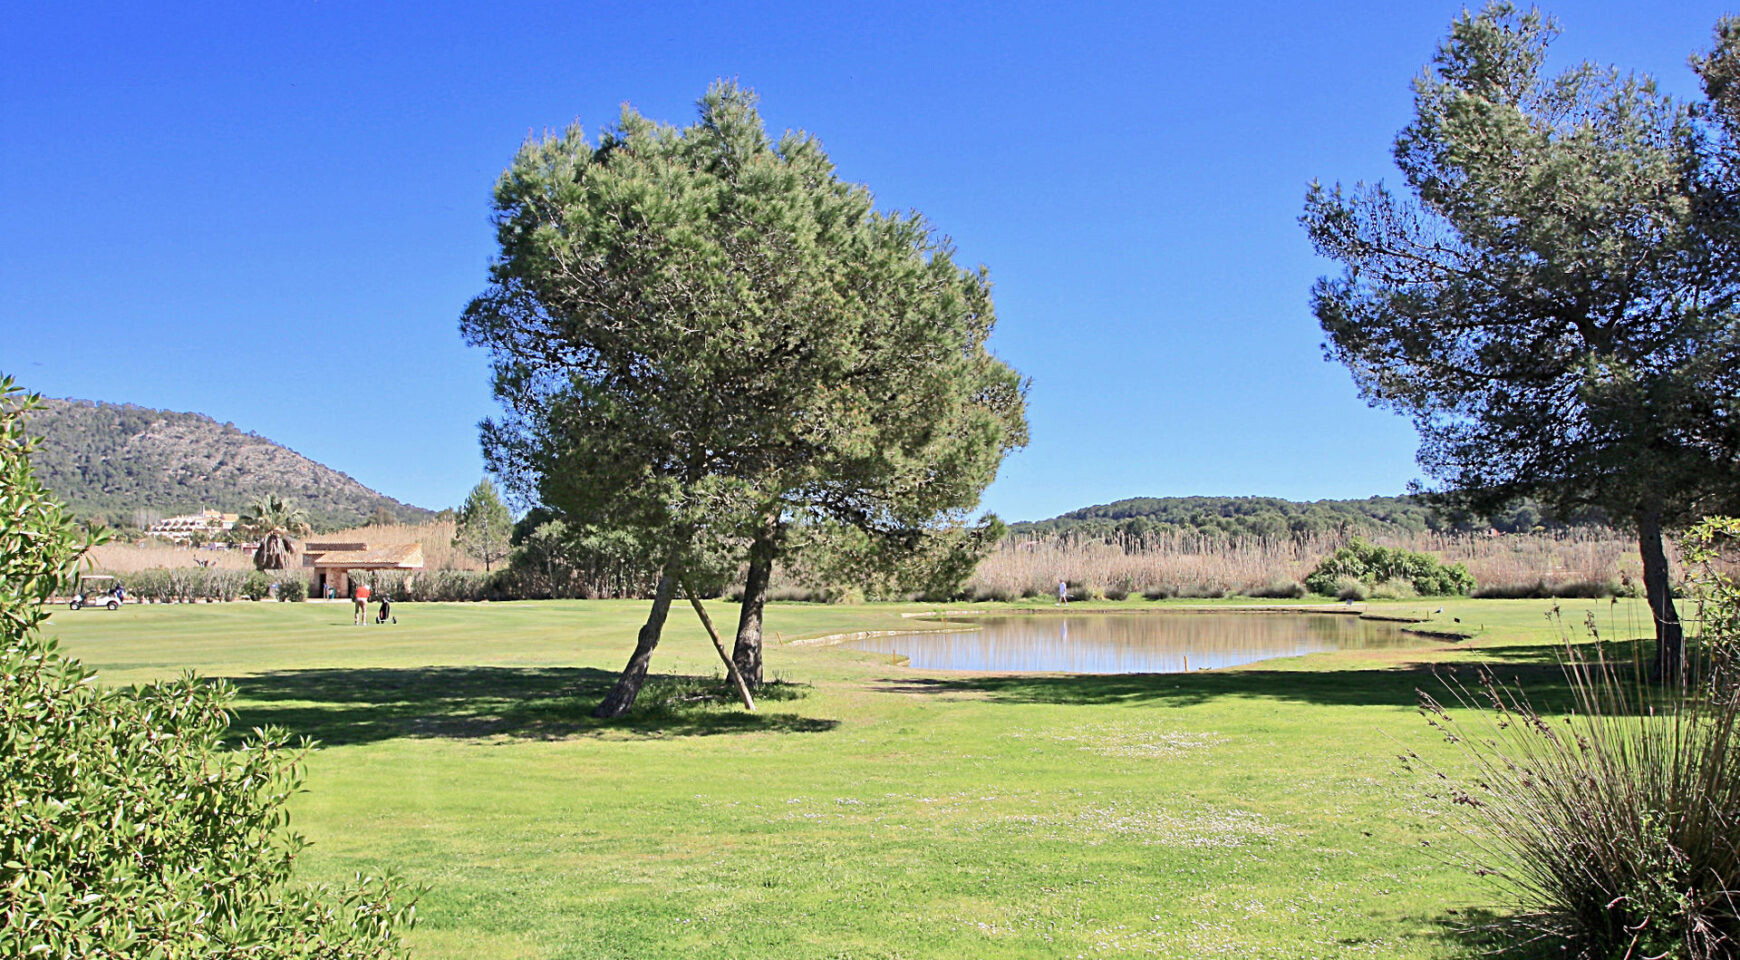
1555, 303
704, 337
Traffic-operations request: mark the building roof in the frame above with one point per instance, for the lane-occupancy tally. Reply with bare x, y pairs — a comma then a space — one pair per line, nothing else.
398, 556
327, 546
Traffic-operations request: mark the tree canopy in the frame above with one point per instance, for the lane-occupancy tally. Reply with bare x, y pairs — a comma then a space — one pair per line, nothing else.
272, 521
484, 525
1555, 304
703, 336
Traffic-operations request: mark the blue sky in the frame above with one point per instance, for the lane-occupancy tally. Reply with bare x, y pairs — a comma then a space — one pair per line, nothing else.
274, 213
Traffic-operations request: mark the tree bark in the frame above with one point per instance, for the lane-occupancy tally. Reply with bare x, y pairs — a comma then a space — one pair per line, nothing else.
746, 652
719, 645
1658, 587
621, 696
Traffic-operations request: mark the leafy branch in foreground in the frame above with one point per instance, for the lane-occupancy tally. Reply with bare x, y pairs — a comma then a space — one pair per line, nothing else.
127, 827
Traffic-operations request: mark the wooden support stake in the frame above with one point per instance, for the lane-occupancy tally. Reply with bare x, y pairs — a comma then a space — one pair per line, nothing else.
719, 645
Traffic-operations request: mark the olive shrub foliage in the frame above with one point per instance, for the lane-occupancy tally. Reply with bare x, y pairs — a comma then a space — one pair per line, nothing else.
1372, 564
127, 827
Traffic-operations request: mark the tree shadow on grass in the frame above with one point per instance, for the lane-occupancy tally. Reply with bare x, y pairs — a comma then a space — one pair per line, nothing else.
1481, 932
340, 707
1534, 669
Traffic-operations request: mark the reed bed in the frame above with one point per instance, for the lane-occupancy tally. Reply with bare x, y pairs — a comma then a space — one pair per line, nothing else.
131, 557
436, 536
1579, 562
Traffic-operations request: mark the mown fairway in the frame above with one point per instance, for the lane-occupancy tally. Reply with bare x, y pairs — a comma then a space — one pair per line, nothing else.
867, 810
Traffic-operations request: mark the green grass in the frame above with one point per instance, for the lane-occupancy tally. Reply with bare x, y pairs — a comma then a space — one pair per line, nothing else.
866, 810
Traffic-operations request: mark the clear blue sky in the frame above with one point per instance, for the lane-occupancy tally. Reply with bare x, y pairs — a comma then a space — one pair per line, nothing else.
274, 213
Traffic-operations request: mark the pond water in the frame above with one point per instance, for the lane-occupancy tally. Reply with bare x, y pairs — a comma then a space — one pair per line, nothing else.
1135, 642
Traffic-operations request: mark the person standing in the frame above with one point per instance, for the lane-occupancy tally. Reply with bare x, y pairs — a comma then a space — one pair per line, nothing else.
1062, 592
362, 604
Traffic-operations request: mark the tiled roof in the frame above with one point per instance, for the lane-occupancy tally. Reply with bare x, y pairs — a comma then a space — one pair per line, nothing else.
327, 546
401, 556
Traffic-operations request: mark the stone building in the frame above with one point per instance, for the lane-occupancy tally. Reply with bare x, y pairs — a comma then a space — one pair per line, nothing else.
332, 562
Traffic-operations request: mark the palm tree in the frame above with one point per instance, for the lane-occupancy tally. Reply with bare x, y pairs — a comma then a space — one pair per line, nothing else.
273, 522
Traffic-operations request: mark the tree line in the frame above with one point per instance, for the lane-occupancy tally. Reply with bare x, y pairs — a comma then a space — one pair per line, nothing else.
1275, 520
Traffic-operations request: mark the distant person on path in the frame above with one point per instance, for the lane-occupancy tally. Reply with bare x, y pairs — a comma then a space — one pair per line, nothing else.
361, 615
121, 593
386, 610
331, 591
1062, 592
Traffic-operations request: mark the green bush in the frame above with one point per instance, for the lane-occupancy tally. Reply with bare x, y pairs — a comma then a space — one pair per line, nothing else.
256, 585
128, 829
1278, 589
1372, 564
1394, 590
1570, 589
292, 589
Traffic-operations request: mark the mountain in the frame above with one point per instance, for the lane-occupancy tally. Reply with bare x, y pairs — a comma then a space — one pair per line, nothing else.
112, 461
1273, 518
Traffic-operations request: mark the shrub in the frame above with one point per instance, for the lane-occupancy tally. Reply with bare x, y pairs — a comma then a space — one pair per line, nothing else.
128, 829
1279, 590
1614, 828
1348, 588
293, 589
1372, 564
1571, 589
256, 585
441, 585
225, 585
1394, 590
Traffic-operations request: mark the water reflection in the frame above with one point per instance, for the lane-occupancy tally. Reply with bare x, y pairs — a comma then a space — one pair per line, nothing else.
1135, 643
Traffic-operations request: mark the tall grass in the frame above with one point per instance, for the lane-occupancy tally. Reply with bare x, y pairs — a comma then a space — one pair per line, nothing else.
1580, 562
1163, 565
436, 536
1613, 829
1614, 825
132, 558
1584, 562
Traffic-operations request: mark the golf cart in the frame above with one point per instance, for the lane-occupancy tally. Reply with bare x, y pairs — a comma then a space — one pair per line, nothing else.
97, 590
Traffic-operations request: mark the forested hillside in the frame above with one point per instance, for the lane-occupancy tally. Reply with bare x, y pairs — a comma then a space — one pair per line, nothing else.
1273, 518
116, 462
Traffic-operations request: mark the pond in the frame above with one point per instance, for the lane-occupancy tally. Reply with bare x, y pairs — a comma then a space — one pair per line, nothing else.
1136, 642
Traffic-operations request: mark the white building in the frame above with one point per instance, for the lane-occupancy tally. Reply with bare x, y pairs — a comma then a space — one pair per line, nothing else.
208, 523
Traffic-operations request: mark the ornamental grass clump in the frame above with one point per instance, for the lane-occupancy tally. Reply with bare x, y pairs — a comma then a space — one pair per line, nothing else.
1614, 828
128, 827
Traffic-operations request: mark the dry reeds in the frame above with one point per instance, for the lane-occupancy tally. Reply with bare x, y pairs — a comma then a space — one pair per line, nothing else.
436, 536
133, 557
1155, 566
1578, 562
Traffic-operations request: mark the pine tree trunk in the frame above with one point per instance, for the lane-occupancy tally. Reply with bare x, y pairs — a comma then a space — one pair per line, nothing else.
746, 652
1658, 587
621, 696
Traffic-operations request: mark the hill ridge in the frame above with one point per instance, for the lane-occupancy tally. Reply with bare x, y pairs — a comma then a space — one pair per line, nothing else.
117, 461
1275, 517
